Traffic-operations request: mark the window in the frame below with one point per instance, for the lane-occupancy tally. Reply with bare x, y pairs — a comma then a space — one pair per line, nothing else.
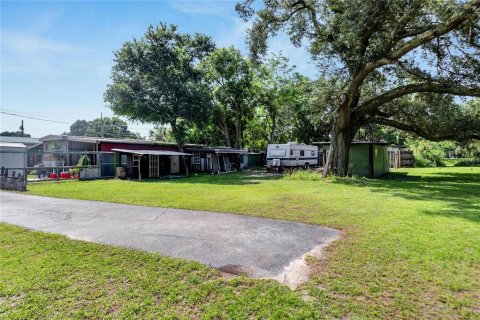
291, 152
313, 153
196, 158
302, 153
136, 160
277, 153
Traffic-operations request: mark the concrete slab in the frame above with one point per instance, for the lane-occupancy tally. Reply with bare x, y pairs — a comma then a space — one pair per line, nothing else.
261, 248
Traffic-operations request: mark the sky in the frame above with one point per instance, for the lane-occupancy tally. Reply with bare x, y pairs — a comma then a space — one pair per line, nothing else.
56, 56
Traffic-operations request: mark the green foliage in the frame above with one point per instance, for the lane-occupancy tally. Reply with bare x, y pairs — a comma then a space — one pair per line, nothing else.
84, 160
468, 149
156, 79
162, 133
302, 175
467, 162
14, 134
79, 128
113, 127
433, 154
376, 55
287, 108
229, 78
428, 153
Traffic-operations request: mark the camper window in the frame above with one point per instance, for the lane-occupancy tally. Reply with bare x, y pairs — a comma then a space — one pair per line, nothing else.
302, 153
313, 153
291, 152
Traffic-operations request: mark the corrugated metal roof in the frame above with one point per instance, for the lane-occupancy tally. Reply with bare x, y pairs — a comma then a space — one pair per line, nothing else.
224, 150
153, 152
23, 140
53, 137
12, 145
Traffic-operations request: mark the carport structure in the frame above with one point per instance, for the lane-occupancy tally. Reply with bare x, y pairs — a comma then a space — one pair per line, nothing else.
215, 159
151, 164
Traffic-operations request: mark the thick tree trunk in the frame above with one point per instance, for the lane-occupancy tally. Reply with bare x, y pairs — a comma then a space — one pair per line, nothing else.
181, 145
272, 131
342, 152
223, 126
338, 155
238, 131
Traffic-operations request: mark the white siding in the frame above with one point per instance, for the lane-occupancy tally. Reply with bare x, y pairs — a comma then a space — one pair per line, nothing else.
13, 156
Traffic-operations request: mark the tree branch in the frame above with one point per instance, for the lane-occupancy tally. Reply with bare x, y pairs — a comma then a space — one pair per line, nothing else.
467, 13
424, 134
374, 103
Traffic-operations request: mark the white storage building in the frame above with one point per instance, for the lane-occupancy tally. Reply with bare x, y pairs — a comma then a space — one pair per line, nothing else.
13, 155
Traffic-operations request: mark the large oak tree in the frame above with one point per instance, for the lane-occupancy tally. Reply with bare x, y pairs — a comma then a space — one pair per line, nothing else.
156, 79
381, 53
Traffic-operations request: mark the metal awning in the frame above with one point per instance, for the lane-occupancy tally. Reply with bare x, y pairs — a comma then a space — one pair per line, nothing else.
153, 152
231, 151
218, 150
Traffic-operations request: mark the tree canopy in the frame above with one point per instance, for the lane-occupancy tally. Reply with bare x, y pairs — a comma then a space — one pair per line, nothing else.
156, 79
113, 127
379, 54
229, 76
14, 134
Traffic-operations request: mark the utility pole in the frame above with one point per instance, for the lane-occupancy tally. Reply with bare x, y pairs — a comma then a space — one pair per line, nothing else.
22, 130
101, 121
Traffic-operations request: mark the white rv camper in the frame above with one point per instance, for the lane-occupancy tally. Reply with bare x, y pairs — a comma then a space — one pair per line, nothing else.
292, 155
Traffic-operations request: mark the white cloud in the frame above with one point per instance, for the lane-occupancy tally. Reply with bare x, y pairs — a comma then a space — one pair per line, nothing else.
30, 44
27, 53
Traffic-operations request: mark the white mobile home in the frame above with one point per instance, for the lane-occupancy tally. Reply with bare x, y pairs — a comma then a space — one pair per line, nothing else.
292, 155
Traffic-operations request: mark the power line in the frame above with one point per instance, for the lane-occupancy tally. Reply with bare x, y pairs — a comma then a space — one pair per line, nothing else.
24, 115
28, 114
34, 118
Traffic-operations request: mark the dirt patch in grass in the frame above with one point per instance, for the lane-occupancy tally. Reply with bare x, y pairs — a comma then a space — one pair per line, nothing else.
235, 270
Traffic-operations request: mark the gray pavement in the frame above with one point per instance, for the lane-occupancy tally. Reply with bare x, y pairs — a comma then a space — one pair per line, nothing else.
254, 246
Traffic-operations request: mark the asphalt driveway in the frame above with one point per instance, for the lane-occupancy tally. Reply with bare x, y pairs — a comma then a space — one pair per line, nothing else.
233, 243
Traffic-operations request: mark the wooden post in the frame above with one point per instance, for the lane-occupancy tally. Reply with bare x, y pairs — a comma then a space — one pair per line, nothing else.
140, 168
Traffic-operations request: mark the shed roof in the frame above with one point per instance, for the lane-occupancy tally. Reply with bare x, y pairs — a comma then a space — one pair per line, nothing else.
223, 150
353, 142
54, 137
24, 140
12, 145
153, 152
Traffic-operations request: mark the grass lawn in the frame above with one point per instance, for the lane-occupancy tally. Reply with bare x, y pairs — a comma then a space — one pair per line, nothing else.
410, 249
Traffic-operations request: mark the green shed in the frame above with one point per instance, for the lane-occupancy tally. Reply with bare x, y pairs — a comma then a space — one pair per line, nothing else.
366, 159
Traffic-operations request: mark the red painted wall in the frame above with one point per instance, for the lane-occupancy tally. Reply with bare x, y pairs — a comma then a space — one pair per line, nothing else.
108, 146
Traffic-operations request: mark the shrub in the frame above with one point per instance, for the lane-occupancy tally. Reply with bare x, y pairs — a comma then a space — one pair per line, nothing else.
427, 153
303, 175
467, 162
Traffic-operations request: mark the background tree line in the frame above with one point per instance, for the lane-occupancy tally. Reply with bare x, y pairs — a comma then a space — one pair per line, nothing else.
400, 64
196, 93
106, 127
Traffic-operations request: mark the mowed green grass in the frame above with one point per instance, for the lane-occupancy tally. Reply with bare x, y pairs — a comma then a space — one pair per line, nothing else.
410, 248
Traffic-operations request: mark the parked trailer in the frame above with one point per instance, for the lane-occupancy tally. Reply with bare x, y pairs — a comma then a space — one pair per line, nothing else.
292, 155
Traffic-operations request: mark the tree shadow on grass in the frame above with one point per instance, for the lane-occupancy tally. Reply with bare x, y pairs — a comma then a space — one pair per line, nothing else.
234, 178
460, 192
